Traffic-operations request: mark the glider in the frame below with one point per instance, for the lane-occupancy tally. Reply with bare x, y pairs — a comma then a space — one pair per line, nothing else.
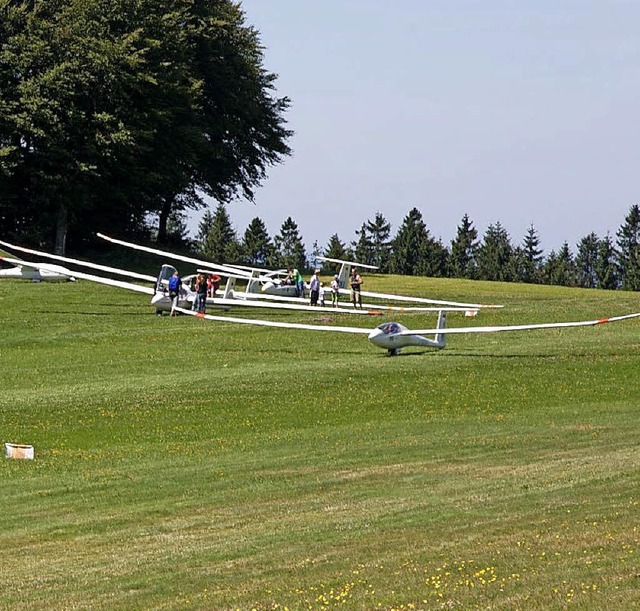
393, 336
266, 286
29, 271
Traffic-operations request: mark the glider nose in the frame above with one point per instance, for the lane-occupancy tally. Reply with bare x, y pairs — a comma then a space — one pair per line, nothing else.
381, 339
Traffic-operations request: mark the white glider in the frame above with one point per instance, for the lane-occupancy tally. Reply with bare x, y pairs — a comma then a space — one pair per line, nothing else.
393, 336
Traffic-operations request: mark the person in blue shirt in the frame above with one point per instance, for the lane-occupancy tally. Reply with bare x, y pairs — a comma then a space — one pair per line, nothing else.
175, 284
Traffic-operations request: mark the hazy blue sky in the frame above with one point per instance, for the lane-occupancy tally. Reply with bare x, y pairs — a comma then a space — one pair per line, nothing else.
523, 112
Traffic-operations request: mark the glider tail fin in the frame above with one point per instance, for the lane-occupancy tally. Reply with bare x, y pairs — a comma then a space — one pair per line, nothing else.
343, 275
254, 283
441, 338
228, 289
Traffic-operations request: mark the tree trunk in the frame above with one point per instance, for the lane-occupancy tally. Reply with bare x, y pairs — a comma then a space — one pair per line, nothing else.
163, 219
62, 226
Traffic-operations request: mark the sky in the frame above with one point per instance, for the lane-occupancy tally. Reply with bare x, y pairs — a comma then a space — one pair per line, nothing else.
523, 113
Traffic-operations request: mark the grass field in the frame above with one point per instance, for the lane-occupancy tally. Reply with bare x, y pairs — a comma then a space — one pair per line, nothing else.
183, 464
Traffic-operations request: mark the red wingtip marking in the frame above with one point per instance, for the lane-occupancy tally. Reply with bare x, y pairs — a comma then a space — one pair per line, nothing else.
199, 315
374, 313
602, 320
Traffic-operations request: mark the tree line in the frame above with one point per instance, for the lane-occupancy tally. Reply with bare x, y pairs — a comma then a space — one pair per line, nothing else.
598, 262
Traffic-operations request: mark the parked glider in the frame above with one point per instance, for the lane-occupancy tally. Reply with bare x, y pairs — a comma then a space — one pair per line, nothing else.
265, 286
343, 281
27, 271
393, 336
159, 297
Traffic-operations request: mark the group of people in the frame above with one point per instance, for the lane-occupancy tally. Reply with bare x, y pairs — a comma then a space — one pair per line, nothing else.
316, 288
203, 286
206, 286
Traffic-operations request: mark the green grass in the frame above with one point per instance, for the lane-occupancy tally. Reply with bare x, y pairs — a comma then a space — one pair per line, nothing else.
186, 464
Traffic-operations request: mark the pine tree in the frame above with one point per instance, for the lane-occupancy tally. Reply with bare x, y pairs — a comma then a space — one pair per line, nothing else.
316, 251
257, 247
464, 250
177, 231
629, 251
494, 254
363, 247
586, 261
605, 267
221, 244
517, 266
531, 257
290, 250
335, 249
204, 228
410, 245
559, 268
435, 261
379, 231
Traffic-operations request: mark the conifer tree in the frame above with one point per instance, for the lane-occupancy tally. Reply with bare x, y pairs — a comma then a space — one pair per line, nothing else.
221, 244
410, 245
494, 254
517, 266
560, 268
605, 268
204, 228
379, 230
363, 247
629, 251
464, 250
531, 257
335, 249
586, 261
257, 247
435, 261
290, 250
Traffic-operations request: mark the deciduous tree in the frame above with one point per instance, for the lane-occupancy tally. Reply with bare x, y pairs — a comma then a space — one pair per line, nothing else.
113, 110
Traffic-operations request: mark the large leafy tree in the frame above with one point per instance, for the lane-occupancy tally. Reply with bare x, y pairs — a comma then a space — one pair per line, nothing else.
290, 250
464, 250
113, 110
629, 250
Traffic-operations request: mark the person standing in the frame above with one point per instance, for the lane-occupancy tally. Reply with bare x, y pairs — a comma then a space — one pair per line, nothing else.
200, 303
175, 285
213, 284
297, 281
355, 281
314, 288
335, 291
